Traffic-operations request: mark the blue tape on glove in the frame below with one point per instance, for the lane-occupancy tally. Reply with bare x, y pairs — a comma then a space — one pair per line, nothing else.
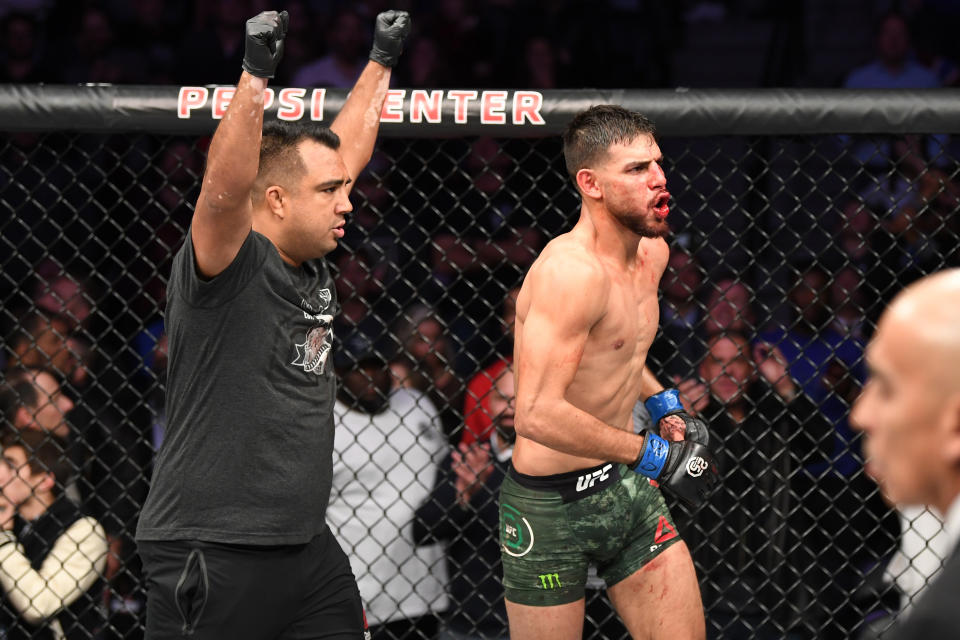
660, 404
654, 456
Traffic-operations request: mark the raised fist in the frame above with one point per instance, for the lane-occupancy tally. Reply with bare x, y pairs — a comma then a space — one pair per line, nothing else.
264, 43
391, 31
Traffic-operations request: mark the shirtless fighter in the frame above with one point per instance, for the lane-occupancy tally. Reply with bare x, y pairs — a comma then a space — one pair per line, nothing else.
583, 485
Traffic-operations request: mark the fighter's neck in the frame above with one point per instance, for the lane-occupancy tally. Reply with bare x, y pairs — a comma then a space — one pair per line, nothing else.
610, 238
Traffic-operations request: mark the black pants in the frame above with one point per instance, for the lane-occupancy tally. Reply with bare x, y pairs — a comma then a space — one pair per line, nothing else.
419, 628
207, 591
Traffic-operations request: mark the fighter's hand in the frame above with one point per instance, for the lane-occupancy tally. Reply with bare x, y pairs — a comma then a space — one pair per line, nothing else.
391, 31
675, 424
686, 469
264, 43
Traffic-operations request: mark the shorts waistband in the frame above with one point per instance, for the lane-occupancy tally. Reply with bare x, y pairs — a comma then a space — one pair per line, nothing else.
571, 485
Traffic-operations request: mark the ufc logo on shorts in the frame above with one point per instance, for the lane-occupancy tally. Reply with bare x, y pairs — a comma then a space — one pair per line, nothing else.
696, 466
586, 481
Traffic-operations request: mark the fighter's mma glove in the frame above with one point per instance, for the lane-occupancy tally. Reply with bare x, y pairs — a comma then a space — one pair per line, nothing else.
391, 31
667, 403
686, 469
264, 43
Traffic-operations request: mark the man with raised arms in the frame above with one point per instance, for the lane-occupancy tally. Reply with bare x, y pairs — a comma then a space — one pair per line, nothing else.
233, 534
583, 487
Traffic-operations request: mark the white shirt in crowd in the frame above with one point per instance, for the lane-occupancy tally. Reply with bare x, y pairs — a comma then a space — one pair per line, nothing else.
384, 467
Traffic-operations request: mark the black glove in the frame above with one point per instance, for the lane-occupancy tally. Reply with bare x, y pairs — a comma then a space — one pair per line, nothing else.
264, 43
686, 469
391, 30
667, 403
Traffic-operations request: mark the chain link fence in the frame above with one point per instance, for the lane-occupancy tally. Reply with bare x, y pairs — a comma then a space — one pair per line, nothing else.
785, 248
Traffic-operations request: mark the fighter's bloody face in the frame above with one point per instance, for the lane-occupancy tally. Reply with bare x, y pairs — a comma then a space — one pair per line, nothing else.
634, 186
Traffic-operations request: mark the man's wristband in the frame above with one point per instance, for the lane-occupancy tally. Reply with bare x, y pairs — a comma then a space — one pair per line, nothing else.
663, 403
653, 456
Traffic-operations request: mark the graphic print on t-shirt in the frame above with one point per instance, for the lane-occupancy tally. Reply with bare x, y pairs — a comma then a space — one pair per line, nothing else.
313, 351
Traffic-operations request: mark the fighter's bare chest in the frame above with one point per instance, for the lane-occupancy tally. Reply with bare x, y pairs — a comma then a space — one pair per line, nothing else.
629, 321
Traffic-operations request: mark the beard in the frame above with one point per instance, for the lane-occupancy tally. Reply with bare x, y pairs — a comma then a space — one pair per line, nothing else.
642, 226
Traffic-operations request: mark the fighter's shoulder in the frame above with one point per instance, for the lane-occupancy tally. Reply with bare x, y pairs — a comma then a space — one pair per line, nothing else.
656, 252
565, 260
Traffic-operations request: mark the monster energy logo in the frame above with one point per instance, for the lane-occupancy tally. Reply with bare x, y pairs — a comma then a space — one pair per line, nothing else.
550, 580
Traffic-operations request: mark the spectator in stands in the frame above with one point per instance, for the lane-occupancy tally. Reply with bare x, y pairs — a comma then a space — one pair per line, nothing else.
111, 482
477, 411
299, 47
53, 556
348, 41
763, 430
480, 248
212, 52
34, 400
69, 297
21, 51
462, 39
680, 345
729, 307
42, 341
105, 447
855, 244
826, 364
425, 363
463, 512
388, 446
360, 282
939, 22
540, 68
153, 27
919, 202
848, 304
894, 67
424, 65
93, 54
62, 294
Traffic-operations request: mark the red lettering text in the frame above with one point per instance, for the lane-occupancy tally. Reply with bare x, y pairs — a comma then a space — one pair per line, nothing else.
190, 98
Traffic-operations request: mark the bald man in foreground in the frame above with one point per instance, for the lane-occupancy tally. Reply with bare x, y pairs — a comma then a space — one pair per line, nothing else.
909, 412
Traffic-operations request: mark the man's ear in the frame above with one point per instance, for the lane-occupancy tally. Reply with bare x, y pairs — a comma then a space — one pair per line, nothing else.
588, 185
22, 418
275, 195
48, 482
950, 429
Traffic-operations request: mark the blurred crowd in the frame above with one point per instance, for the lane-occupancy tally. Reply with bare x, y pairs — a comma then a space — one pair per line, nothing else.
769, 350
540, 44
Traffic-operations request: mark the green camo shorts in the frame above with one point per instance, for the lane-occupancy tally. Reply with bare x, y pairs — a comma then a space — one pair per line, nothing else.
552, 527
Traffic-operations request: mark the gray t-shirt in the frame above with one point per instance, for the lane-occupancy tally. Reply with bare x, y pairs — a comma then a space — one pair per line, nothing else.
247, 455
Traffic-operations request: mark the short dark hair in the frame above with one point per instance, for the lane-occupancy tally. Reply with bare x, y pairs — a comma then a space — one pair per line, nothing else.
18, 390
279, 156
592, 132
45, 453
